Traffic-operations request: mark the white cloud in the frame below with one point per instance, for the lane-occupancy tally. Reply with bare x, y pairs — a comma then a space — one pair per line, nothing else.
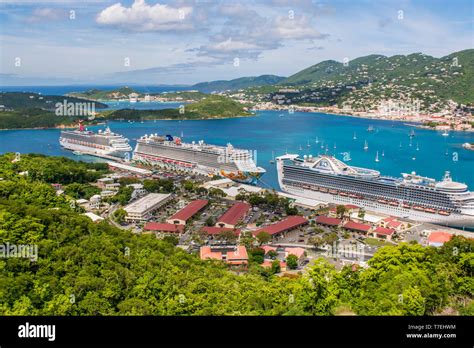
143, 17
46, 14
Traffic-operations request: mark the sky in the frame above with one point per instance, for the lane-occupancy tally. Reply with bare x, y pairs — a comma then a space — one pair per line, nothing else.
55, 42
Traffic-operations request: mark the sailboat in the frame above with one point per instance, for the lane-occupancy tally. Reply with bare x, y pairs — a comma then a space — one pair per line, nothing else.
410, 143
317, 140
355, 136
322, 145
182, 134
273, 158
301, 148
445, 133
417, 147
377, 157
383, 153
308, 144
400, 144
327, 149
370, 129
366, 146
447, 153
412, 133
334, 146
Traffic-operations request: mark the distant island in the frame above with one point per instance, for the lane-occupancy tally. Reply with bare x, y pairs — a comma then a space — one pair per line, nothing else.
210, 107
26, 110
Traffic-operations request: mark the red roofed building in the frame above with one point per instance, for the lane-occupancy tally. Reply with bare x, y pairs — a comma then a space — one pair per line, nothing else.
163, 227
236, 257
328, 221
357, 227
438, 238
268, 248
268, 264
233, 215
300, 253
213, 230
187, 212
283, 226
383, 233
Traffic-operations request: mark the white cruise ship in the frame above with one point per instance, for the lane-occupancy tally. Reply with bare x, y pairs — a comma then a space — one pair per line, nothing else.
412, 196
102, 144
226, 161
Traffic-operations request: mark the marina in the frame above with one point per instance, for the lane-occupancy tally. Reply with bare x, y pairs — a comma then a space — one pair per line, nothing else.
260, 134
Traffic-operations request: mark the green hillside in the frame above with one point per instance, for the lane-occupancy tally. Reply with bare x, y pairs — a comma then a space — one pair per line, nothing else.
213, 106
98, 94
21, 100
417, 73
235, 84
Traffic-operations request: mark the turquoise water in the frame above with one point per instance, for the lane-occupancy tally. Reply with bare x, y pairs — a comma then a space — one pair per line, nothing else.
269, 132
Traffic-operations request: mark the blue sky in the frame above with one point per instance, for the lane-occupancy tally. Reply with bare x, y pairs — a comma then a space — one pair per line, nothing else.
183, 42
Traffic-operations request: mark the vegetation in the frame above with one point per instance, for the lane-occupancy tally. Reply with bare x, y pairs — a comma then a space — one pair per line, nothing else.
33, 118
84, 268
236, 84
213, 106
22, 100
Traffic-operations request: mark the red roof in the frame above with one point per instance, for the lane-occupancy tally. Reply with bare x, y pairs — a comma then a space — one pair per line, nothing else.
163, 227
389, 218
233, 215
268, 248
326, 220
439, 237
189, 210
217, 230
394, 224
284, 225
384, 231
351, 206
239, 254
351, 225
298, 252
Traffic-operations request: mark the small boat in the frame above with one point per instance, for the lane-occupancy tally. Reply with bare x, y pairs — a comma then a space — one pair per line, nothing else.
366, 146
355, 136
447, 153
417, 147
377, 157
308, 145
412, 133
334, 145
383, 153
370, 129
411, 143
445, 133
273, 158
77, 153
280, 115
317, 140
182, 134
413, 158
301, 148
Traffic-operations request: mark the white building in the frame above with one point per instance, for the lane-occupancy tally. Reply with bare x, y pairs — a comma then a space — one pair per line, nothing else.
138, 190
142, 209
94, 202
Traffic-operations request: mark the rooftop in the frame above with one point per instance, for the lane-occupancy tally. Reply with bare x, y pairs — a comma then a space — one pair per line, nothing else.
188, 211
439, 237
326, 220
282, 226
163, 227
351, 225
384, 231
235, 213
146, 202
213, 230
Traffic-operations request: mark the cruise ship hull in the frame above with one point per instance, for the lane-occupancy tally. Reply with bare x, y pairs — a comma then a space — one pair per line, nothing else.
106, 152
416, 198
453, 220
195, 161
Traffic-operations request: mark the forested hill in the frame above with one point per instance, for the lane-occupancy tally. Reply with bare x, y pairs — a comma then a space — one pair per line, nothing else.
28, 100
236, 84
211, 106
449, 77
108, 271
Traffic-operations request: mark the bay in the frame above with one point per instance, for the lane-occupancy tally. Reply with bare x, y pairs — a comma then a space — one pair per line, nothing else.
283, 132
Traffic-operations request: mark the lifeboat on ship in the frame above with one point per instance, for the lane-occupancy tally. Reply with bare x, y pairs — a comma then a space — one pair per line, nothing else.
342, 193
383, 201
352, 195
406, 206
322, 189
416, 207
429, 210
334, 192
395, 204
444, 212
